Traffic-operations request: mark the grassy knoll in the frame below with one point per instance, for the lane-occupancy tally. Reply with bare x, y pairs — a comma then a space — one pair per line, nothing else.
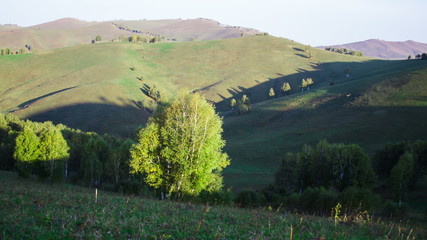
35, 210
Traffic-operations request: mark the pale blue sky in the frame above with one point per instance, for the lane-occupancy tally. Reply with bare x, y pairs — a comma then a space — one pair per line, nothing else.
314, 22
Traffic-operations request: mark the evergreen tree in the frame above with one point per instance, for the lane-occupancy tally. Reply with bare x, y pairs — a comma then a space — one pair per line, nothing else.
180, 150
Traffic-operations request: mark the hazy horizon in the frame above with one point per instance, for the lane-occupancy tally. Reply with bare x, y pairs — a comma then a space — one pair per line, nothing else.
320, 22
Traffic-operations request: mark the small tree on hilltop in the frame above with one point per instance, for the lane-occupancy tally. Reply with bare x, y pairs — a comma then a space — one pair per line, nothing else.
233, 103
286, 88
98, 38
180, 150
271, 93
244, 105
309, 82
303, 84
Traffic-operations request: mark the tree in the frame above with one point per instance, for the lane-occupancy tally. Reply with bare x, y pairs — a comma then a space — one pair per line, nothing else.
271, 92
244, 105
98, 38
54, 151
233, 103
180, 150
303, 84
309, 82
26, 151
286, 87
93, 166
286, 178
424, 56
409, 57
401, 174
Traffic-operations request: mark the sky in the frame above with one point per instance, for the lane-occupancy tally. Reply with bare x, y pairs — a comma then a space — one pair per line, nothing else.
313, 22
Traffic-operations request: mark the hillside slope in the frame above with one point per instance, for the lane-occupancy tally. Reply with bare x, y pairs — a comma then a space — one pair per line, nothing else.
371, 109
386, 49
69, 32
91, 81
102, 87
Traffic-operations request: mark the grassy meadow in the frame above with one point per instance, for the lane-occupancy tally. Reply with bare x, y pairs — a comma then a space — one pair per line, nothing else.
32, 209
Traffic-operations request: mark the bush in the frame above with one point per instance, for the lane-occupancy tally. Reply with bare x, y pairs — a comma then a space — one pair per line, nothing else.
292, 203
393, 210
216, 198
249, 198
359, 198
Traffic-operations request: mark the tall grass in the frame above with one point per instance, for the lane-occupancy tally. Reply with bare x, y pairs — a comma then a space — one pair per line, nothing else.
34, 210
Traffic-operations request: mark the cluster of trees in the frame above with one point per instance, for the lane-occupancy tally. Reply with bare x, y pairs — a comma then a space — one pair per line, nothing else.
344, 51
7, 51
140, 38
57, 153
178, 153
400, 166
242, 105
320, 176
306, 83
421, 56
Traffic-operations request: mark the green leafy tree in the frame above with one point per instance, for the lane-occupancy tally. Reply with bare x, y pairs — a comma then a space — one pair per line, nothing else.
401, 174
286, 88
54, 152
271, 93
93, 163
180, 150
26, 151
117, 163
98, 38
286, 178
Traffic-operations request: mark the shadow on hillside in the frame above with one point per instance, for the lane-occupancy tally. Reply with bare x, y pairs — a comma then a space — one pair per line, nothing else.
257, 142
31, 101
323, 75
102, 118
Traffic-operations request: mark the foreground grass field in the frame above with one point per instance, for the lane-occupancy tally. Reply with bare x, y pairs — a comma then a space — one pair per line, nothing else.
34, 210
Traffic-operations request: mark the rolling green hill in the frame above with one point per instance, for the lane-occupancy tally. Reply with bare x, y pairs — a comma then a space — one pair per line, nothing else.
102, 87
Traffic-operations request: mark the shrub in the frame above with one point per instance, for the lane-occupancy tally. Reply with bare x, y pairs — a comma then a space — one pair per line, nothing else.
359, 198
249, 198
216, 197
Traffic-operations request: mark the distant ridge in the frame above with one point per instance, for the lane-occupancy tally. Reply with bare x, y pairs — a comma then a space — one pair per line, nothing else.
67, 32
385, 49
